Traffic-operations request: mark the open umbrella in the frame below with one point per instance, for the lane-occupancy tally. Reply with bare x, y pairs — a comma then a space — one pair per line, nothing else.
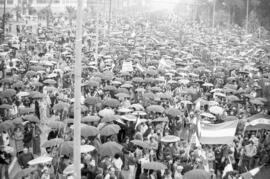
40, 160
92, 100
172, 112
216, 110
141, 143
92, 83
197, 174
109, 130
109, 88
53, 142
70, 169
256, 101
90, 119
124, 110
209, 115
66, 148
22, 94
61, 106
155, 108
154, 166
56, 124
110, 149
31, 118
87, 148
18, 84
50, 81
161, 119
8, 93
6, 125
109, 118
129, 117
87, 131
137, 106
169, 139
5, 106
122, 95
106, 112
111, 102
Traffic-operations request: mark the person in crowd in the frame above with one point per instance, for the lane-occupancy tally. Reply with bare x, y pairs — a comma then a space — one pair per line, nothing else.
25, 157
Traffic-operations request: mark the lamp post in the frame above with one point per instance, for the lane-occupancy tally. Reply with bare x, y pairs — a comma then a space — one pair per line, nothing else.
77, 86
214, 14
4, 20
247, 16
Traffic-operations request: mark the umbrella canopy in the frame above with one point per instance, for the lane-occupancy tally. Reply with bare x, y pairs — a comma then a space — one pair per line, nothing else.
61, 106
155, 108
87, 131
66, 148
173, 112
170, 138
216, 110
197, 174
137, 106
141, 143
49, 81
56, 124
31, 118
5, 106
106, 112
109, 118
109, 130
129, 117
111, 102
110, 149
154, 166
209, 115
40, 160
70, 169
53, 142
87, 148
90, 119
92, 101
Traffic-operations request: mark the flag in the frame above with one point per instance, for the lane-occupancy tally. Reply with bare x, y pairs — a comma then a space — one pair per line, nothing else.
222, 133
251, 173
139, 67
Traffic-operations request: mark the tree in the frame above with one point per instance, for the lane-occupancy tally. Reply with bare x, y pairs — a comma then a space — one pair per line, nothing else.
263, 13
71, 11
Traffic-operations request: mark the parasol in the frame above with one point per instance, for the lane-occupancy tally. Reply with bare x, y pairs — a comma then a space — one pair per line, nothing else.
110, 149
109, 130
90, 119
87, 148
106, 112
155, 108
169, 139
216, 110
88, 131
40, 160
53, 142
141, 143
92, 101
154, 166
31, 118
172, 112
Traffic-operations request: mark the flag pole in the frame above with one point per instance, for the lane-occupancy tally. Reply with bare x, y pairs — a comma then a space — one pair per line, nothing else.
77, 105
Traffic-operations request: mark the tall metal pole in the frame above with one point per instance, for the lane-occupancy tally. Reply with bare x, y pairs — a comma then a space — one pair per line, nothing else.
214, 14
247, 16
97, 37
110, 16
77, 106
4, 20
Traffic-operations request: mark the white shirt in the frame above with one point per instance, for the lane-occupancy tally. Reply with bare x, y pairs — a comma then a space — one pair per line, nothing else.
118, 163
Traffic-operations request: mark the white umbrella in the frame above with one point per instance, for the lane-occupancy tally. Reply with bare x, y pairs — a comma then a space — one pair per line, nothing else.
40, 160
205, 114
87, 148
216, 110
129, 117
22, 93
220, 94
170, 138
208, 84
70, 169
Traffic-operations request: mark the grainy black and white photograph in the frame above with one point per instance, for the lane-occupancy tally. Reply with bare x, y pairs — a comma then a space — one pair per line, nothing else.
134, 89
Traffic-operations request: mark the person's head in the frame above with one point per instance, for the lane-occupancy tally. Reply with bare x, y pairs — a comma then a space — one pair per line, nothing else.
179, 168
112, 170
116, 156
25, 150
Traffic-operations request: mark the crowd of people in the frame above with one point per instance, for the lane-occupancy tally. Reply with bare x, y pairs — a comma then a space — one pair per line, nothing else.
144, 96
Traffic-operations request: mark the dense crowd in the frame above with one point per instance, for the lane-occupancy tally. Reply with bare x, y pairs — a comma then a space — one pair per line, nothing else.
144, 97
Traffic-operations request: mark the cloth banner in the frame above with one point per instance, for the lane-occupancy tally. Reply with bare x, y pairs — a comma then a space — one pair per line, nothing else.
261, 123
222, 133
127, 67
